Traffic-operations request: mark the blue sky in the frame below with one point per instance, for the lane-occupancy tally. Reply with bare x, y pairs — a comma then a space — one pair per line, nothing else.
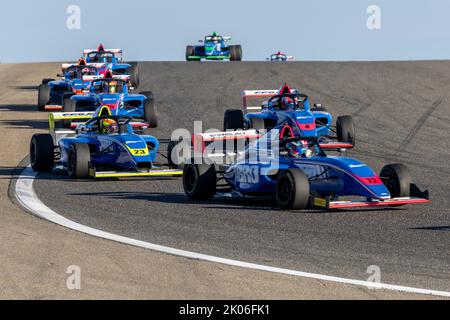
160, 30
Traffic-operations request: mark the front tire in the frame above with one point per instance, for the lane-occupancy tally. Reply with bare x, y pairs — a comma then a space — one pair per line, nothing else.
69, 106
78, 163
43, 96
199, 181
150, 111
135, 75
397, 179
190, 51
233, 120
293, 190
236, 53
345, 129
42, 153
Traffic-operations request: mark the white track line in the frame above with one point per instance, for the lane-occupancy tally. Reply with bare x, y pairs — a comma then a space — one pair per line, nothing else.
27, 197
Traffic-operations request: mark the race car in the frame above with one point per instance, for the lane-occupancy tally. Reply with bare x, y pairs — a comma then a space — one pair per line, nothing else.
52, 93
279, 56
214, 47
110, 60
289, 106
114, 93
297, 173
104, 147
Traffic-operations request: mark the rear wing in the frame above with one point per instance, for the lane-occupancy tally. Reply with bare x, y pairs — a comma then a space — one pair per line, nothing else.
118, 53
61, 116
102, 76
257, 94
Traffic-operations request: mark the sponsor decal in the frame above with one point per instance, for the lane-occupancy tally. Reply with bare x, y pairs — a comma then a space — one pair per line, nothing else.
247, 174
319, 202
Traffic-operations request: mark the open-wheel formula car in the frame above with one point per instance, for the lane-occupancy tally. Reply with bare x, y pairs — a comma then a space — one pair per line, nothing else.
104, 147
279, 56
114, 93
110, 60
297, 174
289, 107
52, 93
214, 47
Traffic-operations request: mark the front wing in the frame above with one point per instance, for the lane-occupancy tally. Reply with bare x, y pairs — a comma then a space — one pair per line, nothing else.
134, 174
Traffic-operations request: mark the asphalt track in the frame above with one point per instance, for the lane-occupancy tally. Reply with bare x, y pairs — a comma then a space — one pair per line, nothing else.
402, 114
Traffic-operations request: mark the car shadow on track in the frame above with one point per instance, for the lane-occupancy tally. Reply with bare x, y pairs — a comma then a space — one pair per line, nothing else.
434, 228
18, 107
217, 203
25, 124
27, 88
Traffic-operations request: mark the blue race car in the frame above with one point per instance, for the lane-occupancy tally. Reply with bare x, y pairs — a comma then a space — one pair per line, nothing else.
297, 173
111, 60
288, 106
114, 93
52, 94
104, 147
214, 47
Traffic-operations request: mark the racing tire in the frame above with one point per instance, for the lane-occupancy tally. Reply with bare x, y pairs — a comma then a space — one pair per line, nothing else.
69, 106
170, 159
190, 51
42, 153
345, 130
236, 53
45, 81
150, 111
78, 162
233, 120
43, 96
135, 75
293, 190
397, 179
199, 181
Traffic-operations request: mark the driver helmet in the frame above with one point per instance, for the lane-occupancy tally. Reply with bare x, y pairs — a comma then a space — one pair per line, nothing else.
113, 87
287, 103
299, 149
109, 126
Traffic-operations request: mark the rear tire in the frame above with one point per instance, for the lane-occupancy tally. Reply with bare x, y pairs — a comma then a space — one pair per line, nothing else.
190, 51
78, 163
43, 96
135, 75
42, 153
236, 53
345, 129
397, 179
150, 111
69, 106
45, 81
293, 190
199, 181
233, 120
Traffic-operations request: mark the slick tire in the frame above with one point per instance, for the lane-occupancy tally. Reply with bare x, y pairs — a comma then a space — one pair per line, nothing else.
78, 162
293, 190
150, 110
345, 129
43, 96
233, 120
42, 153
397, 179
236, 53
199, 181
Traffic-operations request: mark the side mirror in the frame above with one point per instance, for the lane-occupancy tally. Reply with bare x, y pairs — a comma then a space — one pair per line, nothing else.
60, 75
200, 41
318, 105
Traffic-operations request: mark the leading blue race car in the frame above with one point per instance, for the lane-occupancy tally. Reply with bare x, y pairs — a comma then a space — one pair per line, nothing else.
214, 47
111, 60
52, 94
104, 147
297, 173
289, 107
